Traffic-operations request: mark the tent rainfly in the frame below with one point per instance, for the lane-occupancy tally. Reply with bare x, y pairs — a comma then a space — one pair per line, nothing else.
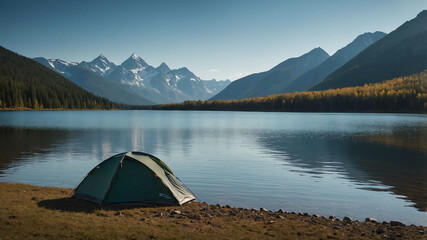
133, 178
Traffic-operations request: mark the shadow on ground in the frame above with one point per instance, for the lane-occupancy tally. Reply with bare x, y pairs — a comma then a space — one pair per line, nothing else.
69, 205
78, 205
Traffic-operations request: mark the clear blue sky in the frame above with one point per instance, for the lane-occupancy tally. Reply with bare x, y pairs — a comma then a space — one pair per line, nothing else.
215, 39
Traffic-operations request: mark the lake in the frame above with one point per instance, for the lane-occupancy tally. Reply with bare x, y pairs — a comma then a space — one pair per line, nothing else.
342, 164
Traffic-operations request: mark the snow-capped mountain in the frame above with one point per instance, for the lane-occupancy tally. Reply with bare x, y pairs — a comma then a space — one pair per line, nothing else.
58, 65
100, 65
160, 85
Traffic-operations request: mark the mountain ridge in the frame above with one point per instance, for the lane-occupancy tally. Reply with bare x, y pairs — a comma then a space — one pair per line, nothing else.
138, 79
268, 82
402, 52
339, 58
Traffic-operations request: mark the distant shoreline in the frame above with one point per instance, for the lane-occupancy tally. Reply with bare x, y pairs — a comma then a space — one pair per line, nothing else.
207, 110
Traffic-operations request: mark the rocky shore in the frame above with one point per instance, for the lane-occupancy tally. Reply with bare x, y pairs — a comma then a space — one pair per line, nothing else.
30, 212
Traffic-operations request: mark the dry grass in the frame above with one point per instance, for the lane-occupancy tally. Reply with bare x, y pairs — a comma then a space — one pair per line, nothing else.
30, 212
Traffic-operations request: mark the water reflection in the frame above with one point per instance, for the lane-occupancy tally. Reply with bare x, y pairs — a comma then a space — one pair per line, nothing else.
405, 171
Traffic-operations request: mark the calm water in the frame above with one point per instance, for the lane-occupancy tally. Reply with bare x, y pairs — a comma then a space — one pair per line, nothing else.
357, 165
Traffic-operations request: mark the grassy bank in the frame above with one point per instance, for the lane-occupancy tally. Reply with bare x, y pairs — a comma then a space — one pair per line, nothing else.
30, 212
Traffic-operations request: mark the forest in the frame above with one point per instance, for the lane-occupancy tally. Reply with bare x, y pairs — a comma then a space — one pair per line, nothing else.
26, 84
404, 94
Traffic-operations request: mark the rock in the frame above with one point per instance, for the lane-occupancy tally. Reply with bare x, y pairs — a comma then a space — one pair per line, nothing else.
263, 210
281, 211
280, 216
372, 220
142, 219
158, 214
177, 212
254, 209
118, 213
305, 214
347, 219
195, 216
258, 218
271, 222
207, 215
231, 213
379, 230
331, 217
396, 223
316, 216
204, 209
227, 206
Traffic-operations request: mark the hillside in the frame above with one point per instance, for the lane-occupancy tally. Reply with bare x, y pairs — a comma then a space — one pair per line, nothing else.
342, 56
24, 83
400, 53
271, 81
404, 94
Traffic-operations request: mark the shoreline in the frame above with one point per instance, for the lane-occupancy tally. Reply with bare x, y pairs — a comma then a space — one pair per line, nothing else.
28, 211
205, 110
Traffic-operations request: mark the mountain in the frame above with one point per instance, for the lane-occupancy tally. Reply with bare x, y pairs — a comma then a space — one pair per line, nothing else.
135, 81
89, 80
317, 74
402, 52
25, 83
100, 65
217, 86
272, 81
161, 84
163, 68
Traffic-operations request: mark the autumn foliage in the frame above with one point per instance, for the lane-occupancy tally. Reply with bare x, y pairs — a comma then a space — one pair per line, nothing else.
403, 94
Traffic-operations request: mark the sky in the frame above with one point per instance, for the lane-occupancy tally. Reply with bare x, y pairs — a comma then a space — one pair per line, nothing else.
214, 39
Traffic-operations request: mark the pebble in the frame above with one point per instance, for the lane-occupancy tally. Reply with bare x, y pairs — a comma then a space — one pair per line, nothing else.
372, 220
176, 212
118, 213
158, 214
271, 222
347, 219
396, 223
281, 211
263, 210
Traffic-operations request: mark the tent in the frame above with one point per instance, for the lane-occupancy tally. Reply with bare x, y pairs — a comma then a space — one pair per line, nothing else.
133, 178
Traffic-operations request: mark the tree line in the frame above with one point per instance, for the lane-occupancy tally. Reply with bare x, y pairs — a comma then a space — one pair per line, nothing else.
403, 94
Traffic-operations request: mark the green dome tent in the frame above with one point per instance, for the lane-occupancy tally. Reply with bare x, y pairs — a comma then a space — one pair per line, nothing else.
133, 178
